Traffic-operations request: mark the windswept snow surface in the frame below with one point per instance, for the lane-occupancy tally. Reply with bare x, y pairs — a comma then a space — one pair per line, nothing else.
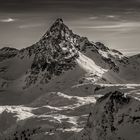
59, 113
21, 112
89, 65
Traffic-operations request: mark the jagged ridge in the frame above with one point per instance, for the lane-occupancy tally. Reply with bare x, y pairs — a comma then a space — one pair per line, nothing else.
115, 116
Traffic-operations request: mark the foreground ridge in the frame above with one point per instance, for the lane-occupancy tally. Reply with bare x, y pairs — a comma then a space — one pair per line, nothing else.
115, 116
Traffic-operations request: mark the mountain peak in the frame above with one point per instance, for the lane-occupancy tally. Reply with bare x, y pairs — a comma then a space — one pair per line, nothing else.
59, 20
58, 25
58, 32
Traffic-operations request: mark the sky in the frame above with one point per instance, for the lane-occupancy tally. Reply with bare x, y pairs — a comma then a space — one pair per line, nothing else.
116, 23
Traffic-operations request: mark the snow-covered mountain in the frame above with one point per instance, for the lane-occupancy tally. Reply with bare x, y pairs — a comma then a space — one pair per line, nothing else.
48, 90
135, 59
115, 116
60, 53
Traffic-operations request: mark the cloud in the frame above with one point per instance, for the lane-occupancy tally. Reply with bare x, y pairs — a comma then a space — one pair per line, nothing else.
115, 26
93, 18
7, 20
130, 51
110, 16
30, 25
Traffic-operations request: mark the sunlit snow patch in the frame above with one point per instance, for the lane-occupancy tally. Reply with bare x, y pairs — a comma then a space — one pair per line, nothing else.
89, 65
20, 112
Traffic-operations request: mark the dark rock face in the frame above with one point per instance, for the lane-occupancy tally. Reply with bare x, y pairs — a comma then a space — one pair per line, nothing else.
7, 52
101, 46
116, 97
55, 53
115, 101
113, 66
